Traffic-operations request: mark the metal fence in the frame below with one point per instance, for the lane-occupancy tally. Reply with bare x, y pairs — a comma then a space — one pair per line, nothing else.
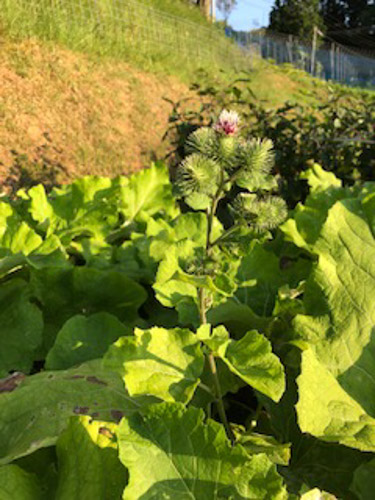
122, 26
330, 62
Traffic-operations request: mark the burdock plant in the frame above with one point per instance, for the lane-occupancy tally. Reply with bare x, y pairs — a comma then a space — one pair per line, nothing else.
223, 168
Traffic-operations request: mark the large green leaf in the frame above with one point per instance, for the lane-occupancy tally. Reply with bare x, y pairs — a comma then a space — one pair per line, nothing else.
83, 208
158, 362
327, 412
363, 484
15, 235
188, 231
21, 327
16, 484
238, 318
260, 275
148, 191
180, 277
317, 494
250, 358
319, 179
89, 467
83, 290
21, 245
33, 414
170, 290
171, 453
84, 338
43, 464
316, 463
340, 325
259, 443
305, 226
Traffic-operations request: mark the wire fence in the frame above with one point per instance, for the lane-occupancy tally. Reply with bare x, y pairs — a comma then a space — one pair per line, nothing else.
329, 62
118, 27
124, 28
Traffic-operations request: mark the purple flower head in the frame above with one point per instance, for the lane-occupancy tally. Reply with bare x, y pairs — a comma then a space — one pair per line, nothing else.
228, 122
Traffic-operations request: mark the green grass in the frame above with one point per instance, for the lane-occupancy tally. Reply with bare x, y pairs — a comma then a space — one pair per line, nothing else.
161, 36
180, 8
134, 31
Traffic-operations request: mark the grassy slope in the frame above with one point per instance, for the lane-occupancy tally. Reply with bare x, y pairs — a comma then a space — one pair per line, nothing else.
78, 116
65, 113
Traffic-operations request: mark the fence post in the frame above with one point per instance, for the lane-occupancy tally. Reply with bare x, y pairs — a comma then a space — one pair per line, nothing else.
313, 51
290, 48
332, 61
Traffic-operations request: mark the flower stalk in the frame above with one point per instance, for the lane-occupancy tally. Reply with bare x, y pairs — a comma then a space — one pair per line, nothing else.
216, 162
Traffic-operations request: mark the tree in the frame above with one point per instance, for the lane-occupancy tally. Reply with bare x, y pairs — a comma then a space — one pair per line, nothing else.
226, 7
350, 22
296, 17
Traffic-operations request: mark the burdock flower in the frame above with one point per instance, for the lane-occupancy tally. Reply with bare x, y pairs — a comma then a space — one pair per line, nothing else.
228, 122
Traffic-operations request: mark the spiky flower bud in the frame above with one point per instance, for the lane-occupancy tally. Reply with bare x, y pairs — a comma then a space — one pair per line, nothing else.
262, 214
202, 141
198, 174
227, 123
256, 155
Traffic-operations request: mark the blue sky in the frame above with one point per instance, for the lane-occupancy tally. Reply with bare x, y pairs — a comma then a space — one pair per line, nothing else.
250, 14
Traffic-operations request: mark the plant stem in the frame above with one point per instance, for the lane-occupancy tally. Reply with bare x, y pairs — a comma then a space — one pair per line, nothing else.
219, 398
202, 306
203, 320
210, 220
211, 213
225, 235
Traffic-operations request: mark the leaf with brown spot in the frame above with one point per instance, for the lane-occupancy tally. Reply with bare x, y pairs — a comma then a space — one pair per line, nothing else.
33, 415
95, 380
8, 384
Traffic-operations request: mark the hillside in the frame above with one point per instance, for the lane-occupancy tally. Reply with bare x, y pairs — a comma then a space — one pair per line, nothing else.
65, 114
72, 103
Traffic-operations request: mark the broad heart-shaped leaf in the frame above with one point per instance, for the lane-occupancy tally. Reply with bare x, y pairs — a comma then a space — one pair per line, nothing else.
327, 412
172, 292
43, 464
89, 466
250, 358
319, 179
187, 231
21, 327
178, 288
20, 244
171, 453
15, 235
340, 329
262, 269
84, 338
316, 463
317, 494
305, 226
149, 191
238, 318
258, 443
363, 484
34, 414
16, 484
88, 207
158, 362
83, 290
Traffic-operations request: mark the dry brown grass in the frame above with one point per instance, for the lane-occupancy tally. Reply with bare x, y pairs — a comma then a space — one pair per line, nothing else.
68, 115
